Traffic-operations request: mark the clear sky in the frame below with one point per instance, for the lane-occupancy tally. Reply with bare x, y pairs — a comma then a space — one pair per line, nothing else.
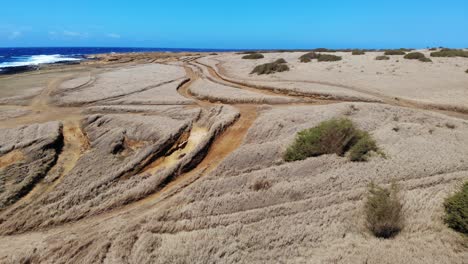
235, 24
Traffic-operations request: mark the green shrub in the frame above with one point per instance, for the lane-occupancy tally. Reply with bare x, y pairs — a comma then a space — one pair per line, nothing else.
328, 57
394, 52
335, 136
253, 56
358, 52
450, 53
280, 61
425, 59
414, 56
308, 57
383, 211
383, 57
361, 150
269, 68
456, 209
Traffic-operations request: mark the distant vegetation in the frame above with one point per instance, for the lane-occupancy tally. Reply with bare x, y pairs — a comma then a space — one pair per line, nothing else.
394, 52
456, 209
328, 57
450, 53
414, 56
281, 60
358, 52
272, 67
253, 56
425, 59
383, 211
308, 57
335, 136
383, 57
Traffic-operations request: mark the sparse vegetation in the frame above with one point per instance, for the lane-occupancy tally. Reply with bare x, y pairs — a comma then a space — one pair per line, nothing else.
308, 57
456, 209
383, 57
328, 57
261, 184
253, 56
394, 52
335, 136
280, 61
425, 59
358, 52
414, 56
450, 53
466, 71
383, 211
269, 68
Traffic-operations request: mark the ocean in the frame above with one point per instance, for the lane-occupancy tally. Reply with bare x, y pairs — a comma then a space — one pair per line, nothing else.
24, 57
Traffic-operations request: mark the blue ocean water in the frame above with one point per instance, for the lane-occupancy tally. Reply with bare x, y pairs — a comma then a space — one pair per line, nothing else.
17, 57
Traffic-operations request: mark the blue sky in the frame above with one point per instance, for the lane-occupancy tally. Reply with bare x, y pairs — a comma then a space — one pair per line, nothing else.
235, 24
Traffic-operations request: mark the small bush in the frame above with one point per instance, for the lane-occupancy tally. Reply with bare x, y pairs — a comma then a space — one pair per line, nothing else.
456, 209
365, 144
383, 211
466, 71
253, 56
280, 61
425, 59
358, 52
394, 52
335, 136
383, 57
414, 56
308, 57
450, 53
328, 57
269, 68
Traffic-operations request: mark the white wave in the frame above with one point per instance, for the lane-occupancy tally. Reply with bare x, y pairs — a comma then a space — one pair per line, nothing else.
38, 59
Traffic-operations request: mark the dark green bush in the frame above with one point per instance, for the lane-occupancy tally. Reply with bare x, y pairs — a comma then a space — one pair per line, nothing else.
308, 57
425, 59
335, 136
394, 52
414, 56
358, 52
280, 61
253, 56
328, 57
383, 211
269, 68
383, 57
364, 145
450, 53
456, 210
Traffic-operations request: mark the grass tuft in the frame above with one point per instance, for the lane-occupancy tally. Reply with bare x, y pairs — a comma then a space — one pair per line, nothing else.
261, 184
383, 211
253, 56
383, 57
335, 136
269, 68
456, 210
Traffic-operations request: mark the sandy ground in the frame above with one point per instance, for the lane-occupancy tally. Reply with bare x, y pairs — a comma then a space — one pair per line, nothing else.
153, 158
443, 82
